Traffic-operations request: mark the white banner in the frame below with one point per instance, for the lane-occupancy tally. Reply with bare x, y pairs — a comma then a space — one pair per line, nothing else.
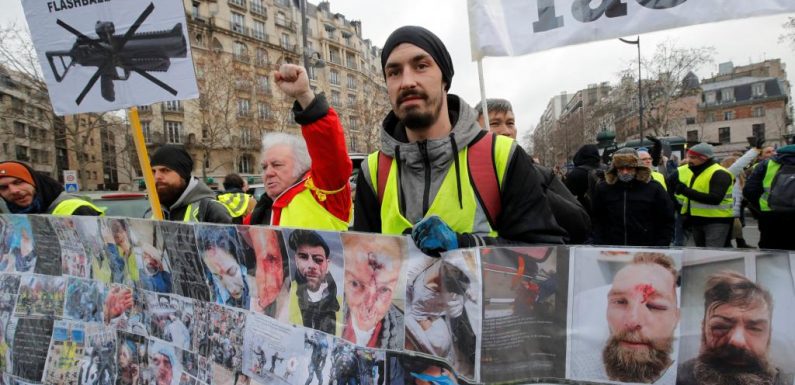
101, 55
518, 27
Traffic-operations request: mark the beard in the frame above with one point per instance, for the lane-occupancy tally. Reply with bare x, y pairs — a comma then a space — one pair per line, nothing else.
713, 367
636, 365
169, 194
416, 119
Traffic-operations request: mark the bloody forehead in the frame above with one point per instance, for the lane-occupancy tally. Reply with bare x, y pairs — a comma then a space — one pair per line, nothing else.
646, 291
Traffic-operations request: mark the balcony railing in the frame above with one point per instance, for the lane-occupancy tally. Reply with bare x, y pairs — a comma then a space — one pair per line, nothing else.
238, 3
238, 27
258, 9
259, 35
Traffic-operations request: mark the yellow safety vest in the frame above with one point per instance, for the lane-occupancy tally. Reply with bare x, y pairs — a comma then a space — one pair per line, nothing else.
701, 184
305, 212
68, 207
684, 176
767, 184
659, 178
469, 219
236, 203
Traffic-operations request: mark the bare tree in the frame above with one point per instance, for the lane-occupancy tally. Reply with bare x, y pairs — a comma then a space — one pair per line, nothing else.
371, 110
789, 32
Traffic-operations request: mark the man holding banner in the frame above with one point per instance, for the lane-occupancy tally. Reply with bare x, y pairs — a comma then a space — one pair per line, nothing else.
420, 181
26, 191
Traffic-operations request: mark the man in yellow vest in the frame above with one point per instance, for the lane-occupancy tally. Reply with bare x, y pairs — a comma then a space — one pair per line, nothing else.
771, 191
183, 197
235, 198
306, 179
425, 168
704, 189
26, 191
646, 160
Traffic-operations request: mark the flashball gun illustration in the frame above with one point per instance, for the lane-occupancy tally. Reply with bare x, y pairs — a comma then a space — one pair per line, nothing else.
116, 56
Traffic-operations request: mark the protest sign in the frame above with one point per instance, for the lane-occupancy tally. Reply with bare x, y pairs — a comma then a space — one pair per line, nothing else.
518, 27
105, 55
114, 302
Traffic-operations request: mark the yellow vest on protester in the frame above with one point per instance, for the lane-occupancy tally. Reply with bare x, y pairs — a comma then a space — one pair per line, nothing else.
236, 203
68, 207
767, 184
305, 212
701, 184
659, 178
685, 174
461, 219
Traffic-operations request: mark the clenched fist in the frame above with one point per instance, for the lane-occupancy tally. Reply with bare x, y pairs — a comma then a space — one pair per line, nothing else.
293, 81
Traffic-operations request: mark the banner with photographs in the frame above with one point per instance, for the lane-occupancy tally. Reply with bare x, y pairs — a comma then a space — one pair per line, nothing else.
101, 301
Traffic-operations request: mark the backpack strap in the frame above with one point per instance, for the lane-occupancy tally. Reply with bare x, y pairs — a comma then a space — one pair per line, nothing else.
384, 165
483, 173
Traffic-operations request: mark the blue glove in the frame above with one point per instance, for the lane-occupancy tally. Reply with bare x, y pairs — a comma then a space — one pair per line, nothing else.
433, 236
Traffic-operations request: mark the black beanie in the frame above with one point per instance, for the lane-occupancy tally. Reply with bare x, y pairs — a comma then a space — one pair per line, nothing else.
175, 158
426, 40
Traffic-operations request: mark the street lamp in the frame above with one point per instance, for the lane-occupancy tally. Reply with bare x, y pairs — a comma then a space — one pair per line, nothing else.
640, 92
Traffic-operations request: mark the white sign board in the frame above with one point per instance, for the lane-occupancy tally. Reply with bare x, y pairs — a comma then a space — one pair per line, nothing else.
70, 181
102, 55
518, 27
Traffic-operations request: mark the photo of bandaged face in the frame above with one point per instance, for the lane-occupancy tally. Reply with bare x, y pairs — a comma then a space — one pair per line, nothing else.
220, 250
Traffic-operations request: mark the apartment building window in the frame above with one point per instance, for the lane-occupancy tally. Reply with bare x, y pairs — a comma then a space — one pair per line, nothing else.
262, 57
207, 162
258, 8
241, 51
692, 136
710, 117
758, 89
283, 3
285, 41
258, 30
728, 115
244, 165
263, 84
724, 135
311, 73
353, 123
727, 95
239, 3
264, 110
335, 98
19, 130
281, 19
334, 77
351, 100
173, 105
334, 56
22, 153
351, 82
245, 136
243, 107
709, 97
145, 108
758, 130
194, 10
690, 120
146, 127
758, 111
173, 132
238, 22
350, 60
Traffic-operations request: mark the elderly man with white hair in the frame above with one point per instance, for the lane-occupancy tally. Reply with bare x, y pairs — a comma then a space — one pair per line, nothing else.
306, 179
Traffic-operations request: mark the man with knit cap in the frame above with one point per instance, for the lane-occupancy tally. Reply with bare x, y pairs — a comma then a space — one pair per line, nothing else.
629, 207
704, 189
183, 197
25, 191
421, 180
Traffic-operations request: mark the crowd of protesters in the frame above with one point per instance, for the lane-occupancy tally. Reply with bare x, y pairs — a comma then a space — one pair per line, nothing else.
452, 177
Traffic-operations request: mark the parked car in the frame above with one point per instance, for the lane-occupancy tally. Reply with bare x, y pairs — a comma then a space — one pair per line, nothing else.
121, 204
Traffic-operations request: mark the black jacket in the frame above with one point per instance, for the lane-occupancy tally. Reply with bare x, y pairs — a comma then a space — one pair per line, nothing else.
579, 180
638, 213
568, 211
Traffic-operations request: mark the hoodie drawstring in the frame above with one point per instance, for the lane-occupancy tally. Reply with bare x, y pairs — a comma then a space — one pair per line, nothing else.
457, 170
402, 201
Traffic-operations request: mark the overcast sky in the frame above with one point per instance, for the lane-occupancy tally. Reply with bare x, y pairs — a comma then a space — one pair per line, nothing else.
530, 81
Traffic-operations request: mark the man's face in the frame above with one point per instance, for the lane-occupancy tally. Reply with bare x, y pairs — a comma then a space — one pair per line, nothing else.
642, 314
645, 158
767, 153
312, 263
269, 273
626, 171
119, 234
415, 87
371, 275
169, 184
225, 269
153, 264
278, 169
17, 191
162, 367
737, 336
500, 123
695, 160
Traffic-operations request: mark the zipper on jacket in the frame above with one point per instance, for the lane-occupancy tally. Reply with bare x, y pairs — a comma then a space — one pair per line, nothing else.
423, 146
625, 217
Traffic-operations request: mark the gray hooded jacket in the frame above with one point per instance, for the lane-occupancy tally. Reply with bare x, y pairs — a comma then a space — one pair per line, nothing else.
422, 166
198, 194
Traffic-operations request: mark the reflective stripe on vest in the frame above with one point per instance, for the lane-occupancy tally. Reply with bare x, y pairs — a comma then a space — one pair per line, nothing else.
68, 207
659, 178
191, 214
305, 212
684, 176
767, 184
469, 219
235, 203
723, 210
